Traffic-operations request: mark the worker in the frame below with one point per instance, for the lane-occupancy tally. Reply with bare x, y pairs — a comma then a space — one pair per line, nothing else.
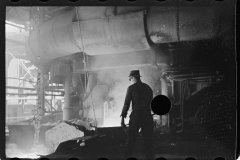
140, 94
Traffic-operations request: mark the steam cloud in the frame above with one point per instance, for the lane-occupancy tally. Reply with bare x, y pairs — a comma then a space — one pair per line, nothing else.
117, 78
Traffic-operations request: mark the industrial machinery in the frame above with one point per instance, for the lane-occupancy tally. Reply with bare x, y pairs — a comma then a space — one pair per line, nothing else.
181, 50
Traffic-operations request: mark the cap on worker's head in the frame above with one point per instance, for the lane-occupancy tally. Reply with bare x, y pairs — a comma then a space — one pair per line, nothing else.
134, 73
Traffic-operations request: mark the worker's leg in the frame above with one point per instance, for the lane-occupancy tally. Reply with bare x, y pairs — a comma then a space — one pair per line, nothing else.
134, 126
147, 133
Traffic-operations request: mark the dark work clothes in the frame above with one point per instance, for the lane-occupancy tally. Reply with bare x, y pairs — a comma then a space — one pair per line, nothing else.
140, 94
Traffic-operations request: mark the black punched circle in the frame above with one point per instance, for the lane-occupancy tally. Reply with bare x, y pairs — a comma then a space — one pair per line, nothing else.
160, 105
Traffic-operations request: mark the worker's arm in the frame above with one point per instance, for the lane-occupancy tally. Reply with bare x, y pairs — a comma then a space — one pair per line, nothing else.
123, 123
127, 102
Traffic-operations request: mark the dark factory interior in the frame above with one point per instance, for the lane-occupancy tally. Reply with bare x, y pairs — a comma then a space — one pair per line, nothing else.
67, 73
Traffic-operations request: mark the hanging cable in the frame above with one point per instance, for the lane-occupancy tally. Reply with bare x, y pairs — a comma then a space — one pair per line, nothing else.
85, 60
38, 115
84, 55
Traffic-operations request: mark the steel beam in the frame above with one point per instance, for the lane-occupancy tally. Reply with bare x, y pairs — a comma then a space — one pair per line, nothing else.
20, 79
32, 89
22, 65
29, 98
31, 94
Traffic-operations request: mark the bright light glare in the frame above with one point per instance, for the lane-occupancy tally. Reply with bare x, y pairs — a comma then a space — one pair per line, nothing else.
15, 24
12, 150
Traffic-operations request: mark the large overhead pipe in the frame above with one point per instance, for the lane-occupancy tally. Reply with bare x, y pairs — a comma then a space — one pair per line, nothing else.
120, 33
176, 23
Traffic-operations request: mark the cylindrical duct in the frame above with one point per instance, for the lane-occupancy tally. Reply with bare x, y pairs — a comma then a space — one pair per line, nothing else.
110, 35
61, 36
192, 23
54, 38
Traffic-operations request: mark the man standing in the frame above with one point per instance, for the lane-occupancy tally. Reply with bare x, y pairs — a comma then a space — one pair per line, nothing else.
140, 94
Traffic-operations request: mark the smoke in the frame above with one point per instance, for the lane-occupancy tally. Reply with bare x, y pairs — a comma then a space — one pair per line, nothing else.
116, 77
12, 150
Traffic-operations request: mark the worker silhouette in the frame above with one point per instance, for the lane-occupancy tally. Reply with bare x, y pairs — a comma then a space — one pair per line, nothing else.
141, 95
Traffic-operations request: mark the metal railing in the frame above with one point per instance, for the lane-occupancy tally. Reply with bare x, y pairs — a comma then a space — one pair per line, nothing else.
17, 119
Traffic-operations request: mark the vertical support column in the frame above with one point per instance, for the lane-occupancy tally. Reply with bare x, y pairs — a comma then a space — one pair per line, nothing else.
175, 111
169, 94
67, 82
171, 121
69, 111
164, 91
79, 89
167, 91
42, 93
43, 71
